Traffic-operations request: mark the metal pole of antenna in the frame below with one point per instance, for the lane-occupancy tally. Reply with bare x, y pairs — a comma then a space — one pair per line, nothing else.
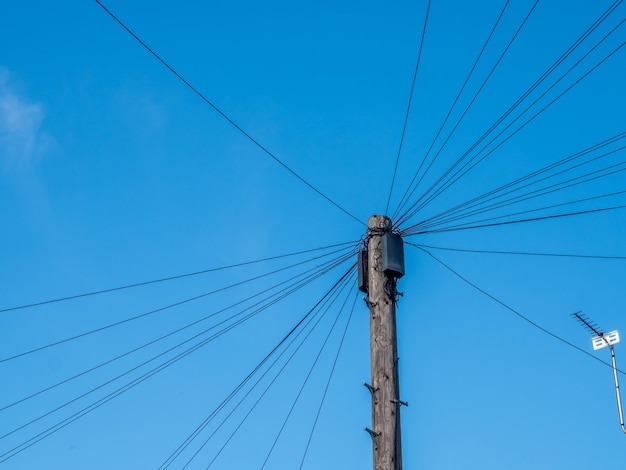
602, 340
617, 392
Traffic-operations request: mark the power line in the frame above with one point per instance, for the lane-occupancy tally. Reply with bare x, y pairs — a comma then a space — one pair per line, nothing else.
499, 190
309, 317
274, 379
330, 376
415, 208
316, 309
221, 113
511, 309
322, 307
161, 309
464, 169
467, 108
533, 219
312, 272
408, 108
409, 192
465, 208
170, 278
272, 382
304, 383
573, 182
429, 227
52, 429
522, 253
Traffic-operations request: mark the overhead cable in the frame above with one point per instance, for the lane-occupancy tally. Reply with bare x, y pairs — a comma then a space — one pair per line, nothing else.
465, 169
555, 187
521, 253
52, 429
415, 208
167, 307
512, 310
516, 185
311, 274
317, 313
408, 108
330, 376
509, 222
411, 189
225, 116
170, 278
305, 381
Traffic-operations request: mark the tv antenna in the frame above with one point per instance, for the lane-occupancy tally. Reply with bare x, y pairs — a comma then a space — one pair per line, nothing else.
602, 340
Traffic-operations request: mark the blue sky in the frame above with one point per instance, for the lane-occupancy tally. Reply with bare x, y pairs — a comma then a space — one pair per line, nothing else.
113, 172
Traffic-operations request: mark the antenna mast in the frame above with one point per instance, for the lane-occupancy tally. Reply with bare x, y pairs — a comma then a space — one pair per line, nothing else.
602, 340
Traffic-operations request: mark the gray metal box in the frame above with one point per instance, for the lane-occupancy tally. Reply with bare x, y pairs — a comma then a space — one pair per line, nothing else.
362, 265
393, 255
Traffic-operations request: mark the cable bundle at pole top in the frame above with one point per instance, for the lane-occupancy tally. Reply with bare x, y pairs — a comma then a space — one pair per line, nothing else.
309, 297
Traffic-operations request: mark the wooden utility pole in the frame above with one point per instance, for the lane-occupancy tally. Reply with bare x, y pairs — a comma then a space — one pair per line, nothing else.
381, 299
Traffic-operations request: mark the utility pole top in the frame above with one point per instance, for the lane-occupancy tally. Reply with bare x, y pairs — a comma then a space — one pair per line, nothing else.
379, 222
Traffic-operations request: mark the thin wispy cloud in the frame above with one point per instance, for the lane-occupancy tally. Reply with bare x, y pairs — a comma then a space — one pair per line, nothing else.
22, 137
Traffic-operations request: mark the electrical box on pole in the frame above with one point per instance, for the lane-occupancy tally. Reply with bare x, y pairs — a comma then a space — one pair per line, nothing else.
362, 265
378, 276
